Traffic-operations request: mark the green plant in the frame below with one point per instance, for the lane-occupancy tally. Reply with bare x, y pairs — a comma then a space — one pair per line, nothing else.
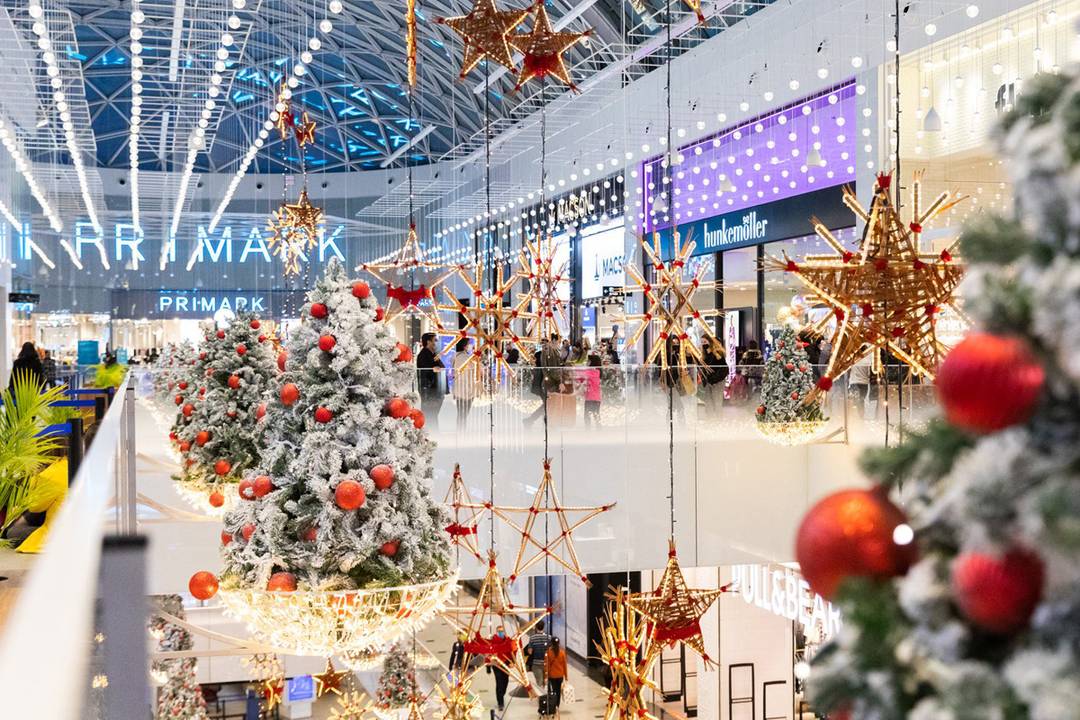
23, 453
109, 375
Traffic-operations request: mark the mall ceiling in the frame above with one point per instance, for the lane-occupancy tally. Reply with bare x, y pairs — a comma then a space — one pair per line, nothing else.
353, 84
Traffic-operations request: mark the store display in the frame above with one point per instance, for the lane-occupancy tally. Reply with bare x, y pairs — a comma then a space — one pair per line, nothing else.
784, 415
355, 592
886, 295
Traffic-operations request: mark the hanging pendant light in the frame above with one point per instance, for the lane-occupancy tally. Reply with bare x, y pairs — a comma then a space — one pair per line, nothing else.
814, 159
932, 121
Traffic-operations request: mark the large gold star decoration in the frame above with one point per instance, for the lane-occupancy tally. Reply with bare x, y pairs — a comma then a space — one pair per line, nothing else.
305, 130
329, 680
492, 609
560, 548
409, 261
887, 294
352, 705
486, 32
669, 304
457, 698
546, 277
674, 610
626, 647
543, 50
489, 321
272, 692
410, 42
294, 229
466, 515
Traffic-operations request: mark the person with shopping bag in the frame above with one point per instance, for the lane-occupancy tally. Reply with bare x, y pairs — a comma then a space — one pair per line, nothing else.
555, 672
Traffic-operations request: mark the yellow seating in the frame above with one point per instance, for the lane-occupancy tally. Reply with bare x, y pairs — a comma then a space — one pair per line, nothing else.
48, 492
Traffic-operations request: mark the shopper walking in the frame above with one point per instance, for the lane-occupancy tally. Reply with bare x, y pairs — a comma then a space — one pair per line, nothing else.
591, 381
48, 364
27, 364
457, 657
536, 652
675, 379
428, 366
555, 671
714, 374
753, 364
502, 680
464, 383
549, 364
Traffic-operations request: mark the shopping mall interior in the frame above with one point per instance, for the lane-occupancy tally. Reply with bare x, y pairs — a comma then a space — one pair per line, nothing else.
482, 359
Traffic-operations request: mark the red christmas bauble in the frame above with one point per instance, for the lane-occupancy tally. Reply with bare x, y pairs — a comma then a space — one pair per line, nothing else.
261, 338
289, 394
850, 534
203, 585
417, 417
789, 366
202, 437
998, 593
188, 409
382, 476
390, 548
262, 485
185, 445
311, 533
760, 410
231, 414
241, 349
397, 407
220, 334
361, 289
202, 391
247, 531
260, 412
281, 358
234, 381
379, 314
255, 324
216, 499
179, 399
327, 343
989, 382
246, 488
183, 386
202, 355
222, 467
281, 582
349, 495
323, 415
226, 537
318, 310
404, 353
172, 436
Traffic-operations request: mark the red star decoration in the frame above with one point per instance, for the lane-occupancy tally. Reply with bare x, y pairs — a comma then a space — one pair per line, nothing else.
543, 49
486, 31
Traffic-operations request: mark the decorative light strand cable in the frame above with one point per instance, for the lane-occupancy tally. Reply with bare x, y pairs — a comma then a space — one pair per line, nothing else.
292, 82
136, 33
11, 143
197, 142
41, 29
30, 244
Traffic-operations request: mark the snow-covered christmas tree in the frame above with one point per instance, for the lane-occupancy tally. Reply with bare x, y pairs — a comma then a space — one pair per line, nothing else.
341, 496
219, 436
172, 366
986, 622
179, 695
784, 413
184, 382
397, 684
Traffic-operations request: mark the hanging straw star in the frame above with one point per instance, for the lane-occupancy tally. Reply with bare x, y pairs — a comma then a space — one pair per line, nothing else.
546, 278
304, 130
409, 260
486, 31
544, 48
352, 705
887, 294
457, 698
466, 513
329, 680
626, 647
546, 501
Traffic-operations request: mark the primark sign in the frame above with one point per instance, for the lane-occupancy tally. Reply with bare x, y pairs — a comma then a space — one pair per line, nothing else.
779, 220
200, 304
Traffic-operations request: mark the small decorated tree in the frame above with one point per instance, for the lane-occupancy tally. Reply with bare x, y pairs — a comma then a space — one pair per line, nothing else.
219, 435
173, 365
185, 378
784, 414
179, 695
972, 608
397, 684
340, 498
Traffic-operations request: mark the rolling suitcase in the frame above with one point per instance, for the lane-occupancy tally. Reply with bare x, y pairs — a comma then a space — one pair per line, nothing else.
545, 705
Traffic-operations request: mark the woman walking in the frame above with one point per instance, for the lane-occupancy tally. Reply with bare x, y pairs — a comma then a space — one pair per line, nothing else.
555, 670
464, 383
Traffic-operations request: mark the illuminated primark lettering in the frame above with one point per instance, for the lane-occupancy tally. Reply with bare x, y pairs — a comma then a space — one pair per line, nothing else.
210, 304
127, 244
782, 591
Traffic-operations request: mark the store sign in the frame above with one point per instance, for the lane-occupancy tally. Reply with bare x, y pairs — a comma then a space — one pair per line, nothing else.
780, 220
198, 304
574, 207
300, 689
782, 591
602, 260
23, 298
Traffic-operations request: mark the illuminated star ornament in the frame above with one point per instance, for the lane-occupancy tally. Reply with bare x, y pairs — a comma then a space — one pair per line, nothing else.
695, 5
546, 278
669, 304
352, 705
559, 549
626, 647
305, 130
486, 32
492, 609
329, 680
457, 698
294, 229
543, 50
886, 295
466, 515
674, 610
285, 121
488, 320
408, 264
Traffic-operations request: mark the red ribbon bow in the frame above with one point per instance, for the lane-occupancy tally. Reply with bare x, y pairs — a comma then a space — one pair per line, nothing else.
407, 298
458, 530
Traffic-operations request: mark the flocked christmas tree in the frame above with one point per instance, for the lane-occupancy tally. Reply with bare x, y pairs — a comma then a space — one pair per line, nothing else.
341, 496
172, 366
219, 435
985, 623
185, 380
397, 684
784, 414
179, 695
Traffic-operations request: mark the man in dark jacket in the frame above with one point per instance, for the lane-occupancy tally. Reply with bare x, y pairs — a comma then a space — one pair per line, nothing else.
28, 363
428, 366
714, 374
